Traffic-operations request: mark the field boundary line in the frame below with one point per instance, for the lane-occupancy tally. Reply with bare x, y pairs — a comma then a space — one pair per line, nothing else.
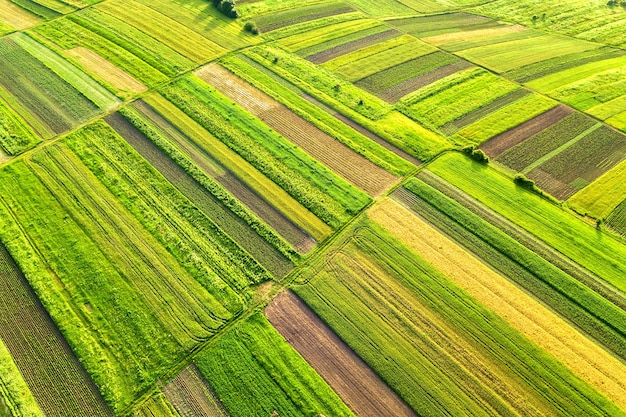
561, 148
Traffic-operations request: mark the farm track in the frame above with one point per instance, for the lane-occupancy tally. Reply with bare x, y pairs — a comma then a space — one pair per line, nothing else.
341, 159
531, 242
191, 395
300, 240
359, 387
56, 378
229, 222
501, 143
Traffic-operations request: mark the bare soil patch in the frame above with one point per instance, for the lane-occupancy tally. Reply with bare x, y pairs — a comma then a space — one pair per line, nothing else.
353, 380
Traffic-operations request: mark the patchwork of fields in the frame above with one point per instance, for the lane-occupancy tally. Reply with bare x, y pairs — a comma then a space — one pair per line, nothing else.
318, 208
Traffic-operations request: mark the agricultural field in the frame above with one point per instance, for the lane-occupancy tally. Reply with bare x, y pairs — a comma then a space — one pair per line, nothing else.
312, 208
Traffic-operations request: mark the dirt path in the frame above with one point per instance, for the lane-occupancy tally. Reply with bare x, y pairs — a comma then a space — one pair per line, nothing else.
353, 380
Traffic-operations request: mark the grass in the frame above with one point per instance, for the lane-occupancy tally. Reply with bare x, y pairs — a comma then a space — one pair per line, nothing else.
244, 170
268, 151
522, 311
569, 298
14, 393
309, 38
156, 406
289, 17
68, 35
597, 252
72, 75
617, 219
603, 195
255, 372
506, 56
382, 9
373, 59
455, 96
443, 352
426, 26
15, 135
506, 118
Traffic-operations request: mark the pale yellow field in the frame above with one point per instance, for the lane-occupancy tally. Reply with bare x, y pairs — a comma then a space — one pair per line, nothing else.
16, 17
474, 34
540, 325
105, 70
604, 194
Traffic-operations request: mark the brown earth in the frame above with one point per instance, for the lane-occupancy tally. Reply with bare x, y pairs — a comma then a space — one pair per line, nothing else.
346, 48
497, 145
354, 381
344, 161
191, 395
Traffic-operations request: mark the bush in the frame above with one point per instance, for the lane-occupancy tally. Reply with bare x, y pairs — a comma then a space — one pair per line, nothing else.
523, 181
476, 154
251, 27
227, 7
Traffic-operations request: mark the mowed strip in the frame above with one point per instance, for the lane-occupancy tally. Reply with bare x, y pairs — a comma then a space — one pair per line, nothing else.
168, 31
191, 395
539, 324
16, 17
338, 157
355, 382
105, 70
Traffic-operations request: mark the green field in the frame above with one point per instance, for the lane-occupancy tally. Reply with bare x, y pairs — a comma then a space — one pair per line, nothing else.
312, 208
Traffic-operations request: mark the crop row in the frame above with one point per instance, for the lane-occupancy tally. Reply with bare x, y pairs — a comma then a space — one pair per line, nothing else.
192, 396
617, 219
15, 135
602, 196
309, 38
15, 396
422, 333
317, 188
351, 42
236, 223
424, 26
289, 17
255, 372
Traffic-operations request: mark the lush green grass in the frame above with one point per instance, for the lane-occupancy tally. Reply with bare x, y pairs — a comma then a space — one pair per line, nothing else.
424, 26
289, 17
255, 372
69, 34
573, 300
442, 351
601, 95
350, 40
456, 42
617, 219
548, 140
156, 406
603, 195
328, 196
41, 91
37, 9
175, 35
502, 57
14, 393
367, 61
506, 118
69, 73
571, 236
309, 38
382, 8
15, 135
323, 120
454, 96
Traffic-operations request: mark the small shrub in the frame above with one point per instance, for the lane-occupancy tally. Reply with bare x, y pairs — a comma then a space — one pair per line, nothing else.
476, 154
251, 27
523, 181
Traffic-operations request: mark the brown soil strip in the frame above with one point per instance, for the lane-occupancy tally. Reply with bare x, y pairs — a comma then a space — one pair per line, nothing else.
54, 375
468, 119
105, 70
395, 93
494, 147
354, 381
346, 48
344, 161
191, 395
554, 186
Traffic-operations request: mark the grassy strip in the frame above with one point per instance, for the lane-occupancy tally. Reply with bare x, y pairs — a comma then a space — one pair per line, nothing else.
356, 104
617, 219
602, 196
15, 135
14, 393
156, 406
384, 320
350, 41
574, 301
506, 118
297, 15
268, 151
212, 149
362, 53
571, 236
214, 188
68, 34
208, 254
255, 372
352, 22
72, 75
318, 117
37, 9
149, 50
